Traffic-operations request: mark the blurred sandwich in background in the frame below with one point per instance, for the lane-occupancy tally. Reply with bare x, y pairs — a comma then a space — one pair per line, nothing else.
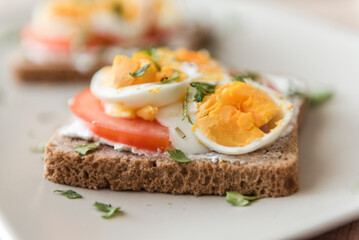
69, 40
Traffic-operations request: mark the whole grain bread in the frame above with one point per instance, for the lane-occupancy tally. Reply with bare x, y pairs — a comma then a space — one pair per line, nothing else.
196, 37
268, 172
27, 71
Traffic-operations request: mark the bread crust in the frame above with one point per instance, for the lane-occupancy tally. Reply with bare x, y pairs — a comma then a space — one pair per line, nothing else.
27, 71
269, 172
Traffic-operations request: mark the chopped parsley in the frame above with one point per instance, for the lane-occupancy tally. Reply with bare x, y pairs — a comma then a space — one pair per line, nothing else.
83, 149
249, 75
178, 156
174, 76
239, 200
202, 90
185, 108
117, 8
140, 71
40, 148
152, 52
70, 194
314, 99
10, 35
110, 211
180, 133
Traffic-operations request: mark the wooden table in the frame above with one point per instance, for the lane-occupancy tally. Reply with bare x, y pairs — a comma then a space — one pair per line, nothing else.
346, 13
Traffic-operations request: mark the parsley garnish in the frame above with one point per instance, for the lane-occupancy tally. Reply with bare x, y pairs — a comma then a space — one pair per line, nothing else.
178, 156
314, 99
152, 52
185, 109
249, 75
106, 208
180, 133
117, 8
40, 148
174, 76
140, 71
202, 90
85, 148
70, 194
10, 35
237, 199
239, 78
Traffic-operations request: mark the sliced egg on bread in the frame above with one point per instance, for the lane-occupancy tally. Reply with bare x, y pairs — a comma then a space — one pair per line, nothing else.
240, 117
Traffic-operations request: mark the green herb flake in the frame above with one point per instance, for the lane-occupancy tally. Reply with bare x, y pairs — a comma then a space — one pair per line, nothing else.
117, 8
239, 200
70, 194
253, 76
40, 148
238, 78
178, 156
249, 75
180, 133
152, 52
140, 71
202, 90
10, 35
185, 109
83, 149
314, 99
110, 211
174, 76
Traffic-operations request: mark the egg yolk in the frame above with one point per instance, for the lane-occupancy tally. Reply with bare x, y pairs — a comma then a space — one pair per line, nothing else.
147, 113
123, 66
233, 114
82, 10
211, 69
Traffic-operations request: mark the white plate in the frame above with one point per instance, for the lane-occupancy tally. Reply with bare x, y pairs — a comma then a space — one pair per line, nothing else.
254, 35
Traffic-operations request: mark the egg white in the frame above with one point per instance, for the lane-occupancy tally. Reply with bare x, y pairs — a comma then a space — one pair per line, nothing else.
136, 96
267, 139
107, 22
171, 117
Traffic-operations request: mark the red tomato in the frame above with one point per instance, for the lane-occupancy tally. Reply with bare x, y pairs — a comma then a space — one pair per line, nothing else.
54, 44
103, 39
64, 44
134, 132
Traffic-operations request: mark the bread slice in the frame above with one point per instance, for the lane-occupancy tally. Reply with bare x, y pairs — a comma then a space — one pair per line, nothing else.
268, 172
25, 70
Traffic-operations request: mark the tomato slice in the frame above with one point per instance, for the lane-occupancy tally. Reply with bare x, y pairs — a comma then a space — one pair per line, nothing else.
139, 133
64, 44
53, 44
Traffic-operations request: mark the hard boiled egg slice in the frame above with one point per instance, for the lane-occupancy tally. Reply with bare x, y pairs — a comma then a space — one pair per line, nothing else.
181, 134
279, 114
136, 96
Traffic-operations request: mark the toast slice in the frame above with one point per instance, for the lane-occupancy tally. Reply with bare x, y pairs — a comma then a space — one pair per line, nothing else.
268, 172
27, 71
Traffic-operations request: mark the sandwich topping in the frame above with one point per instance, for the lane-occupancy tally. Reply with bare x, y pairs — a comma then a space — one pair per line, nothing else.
181, 101
88, 32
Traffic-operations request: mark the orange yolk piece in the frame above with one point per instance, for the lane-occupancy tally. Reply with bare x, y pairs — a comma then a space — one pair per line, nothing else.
147, 113
123, 66
233, 115
198, 57
203, 60
73, 9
